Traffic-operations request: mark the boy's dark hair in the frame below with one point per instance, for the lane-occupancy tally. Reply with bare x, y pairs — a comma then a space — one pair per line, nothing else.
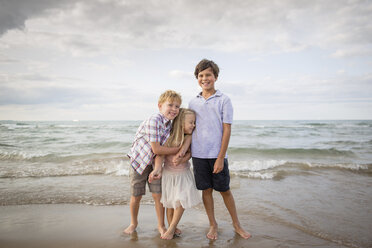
205, 64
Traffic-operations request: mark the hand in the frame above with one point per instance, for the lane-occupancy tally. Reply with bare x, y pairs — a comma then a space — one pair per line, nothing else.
154, 175
176, 160
181, 153
218, 165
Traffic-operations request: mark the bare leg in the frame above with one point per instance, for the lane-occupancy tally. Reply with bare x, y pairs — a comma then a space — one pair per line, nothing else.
173, 225
134, 208
209, 208
159, 213
230, 205
170, 212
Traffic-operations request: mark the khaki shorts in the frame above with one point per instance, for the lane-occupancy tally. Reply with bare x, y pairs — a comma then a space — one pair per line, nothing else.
138, 182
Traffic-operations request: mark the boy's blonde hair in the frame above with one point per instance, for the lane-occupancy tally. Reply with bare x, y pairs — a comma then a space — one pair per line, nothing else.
177, 134
170, 96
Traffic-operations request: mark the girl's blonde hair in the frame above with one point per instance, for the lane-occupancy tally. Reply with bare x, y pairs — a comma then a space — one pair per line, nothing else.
177, 134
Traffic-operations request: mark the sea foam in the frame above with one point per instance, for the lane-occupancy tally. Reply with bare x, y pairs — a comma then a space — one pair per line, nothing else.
255, 165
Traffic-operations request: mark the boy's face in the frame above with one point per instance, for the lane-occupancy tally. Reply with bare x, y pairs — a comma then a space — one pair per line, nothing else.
169, 109
206, 79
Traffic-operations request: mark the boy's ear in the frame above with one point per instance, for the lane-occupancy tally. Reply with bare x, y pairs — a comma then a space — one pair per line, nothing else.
159, 105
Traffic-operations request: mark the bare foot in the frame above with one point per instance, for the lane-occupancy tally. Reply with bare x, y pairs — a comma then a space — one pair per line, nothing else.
168, 234
212, 234
244, 234
177, 231
162, 230
130, 229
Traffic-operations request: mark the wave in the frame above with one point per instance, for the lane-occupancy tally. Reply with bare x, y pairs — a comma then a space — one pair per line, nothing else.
344, 142
117, 166
278, 169
305, 125
353, 167
312, 152
66, 198
6, 145
264, 165
102, 145
255, 165
51, 157
22, 124
317, 124
364, 123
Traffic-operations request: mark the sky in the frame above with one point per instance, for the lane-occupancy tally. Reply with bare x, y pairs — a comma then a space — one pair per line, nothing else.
111, 59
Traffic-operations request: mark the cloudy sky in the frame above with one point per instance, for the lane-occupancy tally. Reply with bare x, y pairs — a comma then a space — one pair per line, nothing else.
111, 59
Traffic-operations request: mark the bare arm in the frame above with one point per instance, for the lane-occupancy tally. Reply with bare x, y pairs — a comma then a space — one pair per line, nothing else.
185, 146
156, 173
179, 158
218, 165
163, 150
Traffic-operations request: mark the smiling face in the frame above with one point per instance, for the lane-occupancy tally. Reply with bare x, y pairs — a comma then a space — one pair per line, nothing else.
206, 79
169, 109
189, 123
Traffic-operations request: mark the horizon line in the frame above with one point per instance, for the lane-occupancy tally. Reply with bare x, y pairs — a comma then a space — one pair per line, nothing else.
76, 120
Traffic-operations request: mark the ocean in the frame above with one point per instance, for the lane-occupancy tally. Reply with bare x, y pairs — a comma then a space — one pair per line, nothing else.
310, 176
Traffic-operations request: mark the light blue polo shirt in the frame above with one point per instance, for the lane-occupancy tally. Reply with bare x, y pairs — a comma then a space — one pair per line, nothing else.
211, 113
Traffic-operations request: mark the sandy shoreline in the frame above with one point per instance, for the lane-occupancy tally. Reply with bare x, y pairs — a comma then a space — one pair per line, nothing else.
74, 225
78, 225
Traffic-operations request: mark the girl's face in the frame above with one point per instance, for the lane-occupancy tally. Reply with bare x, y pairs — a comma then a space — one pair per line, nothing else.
189, 123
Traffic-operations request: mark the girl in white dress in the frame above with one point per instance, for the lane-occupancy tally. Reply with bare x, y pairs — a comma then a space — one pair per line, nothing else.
178, 184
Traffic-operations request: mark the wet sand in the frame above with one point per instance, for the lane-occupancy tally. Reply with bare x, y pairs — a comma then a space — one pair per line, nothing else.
77, 225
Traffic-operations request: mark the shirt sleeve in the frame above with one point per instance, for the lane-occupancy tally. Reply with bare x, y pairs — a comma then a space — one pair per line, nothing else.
227, 112
153, 129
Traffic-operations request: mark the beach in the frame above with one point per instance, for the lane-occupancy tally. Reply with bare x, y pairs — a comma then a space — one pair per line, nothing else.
295, 184
101, 226
74, 225
283, 221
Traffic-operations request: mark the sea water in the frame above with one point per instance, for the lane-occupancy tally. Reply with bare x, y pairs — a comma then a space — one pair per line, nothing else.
313, 176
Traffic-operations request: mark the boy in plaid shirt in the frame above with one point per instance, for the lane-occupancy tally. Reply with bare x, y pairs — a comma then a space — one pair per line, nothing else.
148, 142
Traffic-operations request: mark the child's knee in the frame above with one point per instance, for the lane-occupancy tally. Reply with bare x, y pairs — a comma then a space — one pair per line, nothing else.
156, 196
208, 191
136, 198
226, 193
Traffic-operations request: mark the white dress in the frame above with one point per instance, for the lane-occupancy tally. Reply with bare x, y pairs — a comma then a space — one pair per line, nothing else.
178, 185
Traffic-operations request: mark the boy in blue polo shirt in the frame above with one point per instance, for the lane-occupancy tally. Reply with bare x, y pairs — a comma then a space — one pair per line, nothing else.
210, 139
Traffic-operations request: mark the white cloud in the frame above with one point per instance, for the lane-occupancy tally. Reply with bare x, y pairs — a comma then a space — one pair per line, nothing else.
341, 89
120, 55
181, 74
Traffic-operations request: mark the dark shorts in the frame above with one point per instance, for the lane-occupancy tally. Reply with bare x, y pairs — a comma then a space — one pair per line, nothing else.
205, 178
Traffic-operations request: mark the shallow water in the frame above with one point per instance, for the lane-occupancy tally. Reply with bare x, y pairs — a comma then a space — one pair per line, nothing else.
311, 177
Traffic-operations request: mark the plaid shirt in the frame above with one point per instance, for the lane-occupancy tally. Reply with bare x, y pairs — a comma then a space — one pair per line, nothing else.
154, 129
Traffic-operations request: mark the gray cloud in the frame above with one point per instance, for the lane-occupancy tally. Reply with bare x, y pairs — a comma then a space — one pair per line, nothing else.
95, 26
14, 13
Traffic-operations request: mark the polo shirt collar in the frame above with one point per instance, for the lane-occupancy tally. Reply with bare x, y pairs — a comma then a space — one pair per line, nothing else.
218, 93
